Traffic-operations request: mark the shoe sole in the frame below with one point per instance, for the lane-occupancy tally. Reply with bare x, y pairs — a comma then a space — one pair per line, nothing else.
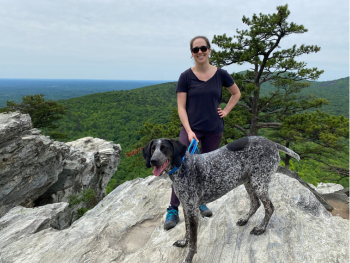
170, 225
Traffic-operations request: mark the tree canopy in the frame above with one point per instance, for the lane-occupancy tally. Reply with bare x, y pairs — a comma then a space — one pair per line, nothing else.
44, 114
260, 47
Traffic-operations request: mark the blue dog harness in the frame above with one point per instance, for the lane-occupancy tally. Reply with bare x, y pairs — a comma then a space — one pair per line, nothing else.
194, 146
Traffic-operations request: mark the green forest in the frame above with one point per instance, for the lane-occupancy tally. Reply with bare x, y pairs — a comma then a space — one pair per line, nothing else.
336, 91
118, 116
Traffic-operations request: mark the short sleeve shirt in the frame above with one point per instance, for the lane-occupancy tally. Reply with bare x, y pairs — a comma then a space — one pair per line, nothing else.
203, 99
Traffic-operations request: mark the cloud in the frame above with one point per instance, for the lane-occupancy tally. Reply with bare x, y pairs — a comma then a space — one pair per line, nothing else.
114, 38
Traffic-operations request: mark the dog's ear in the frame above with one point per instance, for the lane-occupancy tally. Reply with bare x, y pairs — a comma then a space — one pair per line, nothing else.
179, 151
146, 152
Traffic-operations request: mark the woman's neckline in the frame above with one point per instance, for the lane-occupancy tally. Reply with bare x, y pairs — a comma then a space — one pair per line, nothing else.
204, 80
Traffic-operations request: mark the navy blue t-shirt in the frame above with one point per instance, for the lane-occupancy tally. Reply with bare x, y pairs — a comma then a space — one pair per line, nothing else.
203, 99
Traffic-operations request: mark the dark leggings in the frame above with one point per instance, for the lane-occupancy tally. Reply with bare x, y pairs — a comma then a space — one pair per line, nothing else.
208, 142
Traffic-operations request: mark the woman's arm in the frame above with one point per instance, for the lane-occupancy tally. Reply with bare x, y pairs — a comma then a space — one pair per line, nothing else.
235, 95
181, 107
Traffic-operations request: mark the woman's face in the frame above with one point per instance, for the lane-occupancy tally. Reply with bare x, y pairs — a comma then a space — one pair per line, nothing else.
200, 57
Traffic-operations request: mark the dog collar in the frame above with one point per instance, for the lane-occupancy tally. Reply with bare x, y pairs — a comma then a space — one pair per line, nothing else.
194, 146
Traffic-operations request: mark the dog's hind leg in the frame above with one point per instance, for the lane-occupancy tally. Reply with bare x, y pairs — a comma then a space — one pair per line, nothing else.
254, 205
260, 188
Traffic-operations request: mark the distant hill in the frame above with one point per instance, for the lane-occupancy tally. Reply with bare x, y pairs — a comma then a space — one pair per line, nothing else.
57, 89
118, 115
336, 91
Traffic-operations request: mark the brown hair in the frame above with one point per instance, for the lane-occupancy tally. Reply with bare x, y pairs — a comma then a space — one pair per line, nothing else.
193, 39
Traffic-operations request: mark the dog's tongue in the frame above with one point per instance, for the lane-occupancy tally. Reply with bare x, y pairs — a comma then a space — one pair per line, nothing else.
158, 170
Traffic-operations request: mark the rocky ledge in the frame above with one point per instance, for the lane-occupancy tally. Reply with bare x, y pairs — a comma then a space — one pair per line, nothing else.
127, 226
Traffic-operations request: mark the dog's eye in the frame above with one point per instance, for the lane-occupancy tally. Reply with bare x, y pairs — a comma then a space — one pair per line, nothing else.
162, 147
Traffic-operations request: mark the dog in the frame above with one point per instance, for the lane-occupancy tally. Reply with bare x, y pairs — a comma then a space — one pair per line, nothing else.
203, 178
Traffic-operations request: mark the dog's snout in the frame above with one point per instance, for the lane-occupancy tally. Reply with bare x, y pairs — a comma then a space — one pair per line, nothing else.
154, 161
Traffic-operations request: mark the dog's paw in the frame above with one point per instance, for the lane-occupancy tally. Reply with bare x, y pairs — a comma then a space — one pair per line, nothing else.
257, 231
181, 243
242, 222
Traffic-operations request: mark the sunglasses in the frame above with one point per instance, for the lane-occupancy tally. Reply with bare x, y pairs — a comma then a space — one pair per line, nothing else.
202, 48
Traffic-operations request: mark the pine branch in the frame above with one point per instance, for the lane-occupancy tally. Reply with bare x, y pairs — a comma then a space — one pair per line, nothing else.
269, 125
241, 129
245, 106
339, 171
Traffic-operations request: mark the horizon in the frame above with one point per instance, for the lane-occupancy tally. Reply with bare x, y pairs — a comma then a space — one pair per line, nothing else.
152, 80
148, 80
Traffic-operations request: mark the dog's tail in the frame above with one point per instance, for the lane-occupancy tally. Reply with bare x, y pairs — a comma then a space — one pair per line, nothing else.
287, 151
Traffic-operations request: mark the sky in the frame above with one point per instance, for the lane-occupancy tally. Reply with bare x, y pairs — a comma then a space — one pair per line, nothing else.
149, 39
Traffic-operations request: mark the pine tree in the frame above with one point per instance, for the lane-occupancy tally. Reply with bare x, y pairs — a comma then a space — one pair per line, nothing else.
43, 113
260, 47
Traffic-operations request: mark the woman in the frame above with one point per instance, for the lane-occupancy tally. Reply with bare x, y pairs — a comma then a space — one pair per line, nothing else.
199, 94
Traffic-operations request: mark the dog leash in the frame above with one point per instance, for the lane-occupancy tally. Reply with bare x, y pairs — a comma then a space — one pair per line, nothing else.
194, 146
194, 143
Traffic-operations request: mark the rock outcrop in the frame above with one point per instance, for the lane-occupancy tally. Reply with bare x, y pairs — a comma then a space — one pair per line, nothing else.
312, 188
338, 199
29, 162
327, 188
36, 170
127, 226
90, 164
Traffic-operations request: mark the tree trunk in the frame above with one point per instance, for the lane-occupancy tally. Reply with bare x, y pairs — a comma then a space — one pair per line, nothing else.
253, 131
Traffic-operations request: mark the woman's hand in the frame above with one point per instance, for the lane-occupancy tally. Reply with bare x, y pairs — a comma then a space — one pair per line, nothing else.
222, 113
191, 135
235, 95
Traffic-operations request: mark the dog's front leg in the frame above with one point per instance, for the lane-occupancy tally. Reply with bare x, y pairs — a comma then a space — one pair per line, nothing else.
183, 242
193, 216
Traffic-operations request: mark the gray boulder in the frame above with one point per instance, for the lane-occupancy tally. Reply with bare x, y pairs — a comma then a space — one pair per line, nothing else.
127, 226
13, 123
21, 221
327, 188
311, 187
338, 196
90, 164
334, 192
36, 170
29, 162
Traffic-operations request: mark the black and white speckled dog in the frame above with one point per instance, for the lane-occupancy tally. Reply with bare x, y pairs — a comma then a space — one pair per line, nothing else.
203, 178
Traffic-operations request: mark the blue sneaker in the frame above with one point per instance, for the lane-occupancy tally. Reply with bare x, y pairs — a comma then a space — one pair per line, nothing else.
172, 218
205, 211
